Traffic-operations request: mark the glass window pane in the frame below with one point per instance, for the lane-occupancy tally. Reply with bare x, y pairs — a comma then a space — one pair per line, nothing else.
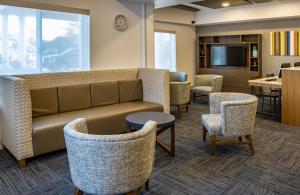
61, 41
165, 50
34, 41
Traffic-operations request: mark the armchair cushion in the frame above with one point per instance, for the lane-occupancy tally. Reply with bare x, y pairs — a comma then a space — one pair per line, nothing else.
203, 90
44, 101
212, 123
131, 90
74, 97
105, 93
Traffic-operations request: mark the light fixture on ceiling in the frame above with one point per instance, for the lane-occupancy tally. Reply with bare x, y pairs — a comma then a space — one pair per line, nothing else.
225, 4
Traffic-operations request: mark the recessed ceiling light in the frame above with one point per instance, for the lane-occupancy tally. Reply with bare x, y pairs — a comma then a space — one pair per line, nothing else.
225, 4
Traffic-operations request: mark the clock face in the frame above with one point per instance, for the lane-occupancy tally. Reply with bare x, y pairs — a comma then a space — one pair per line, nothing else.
120, 23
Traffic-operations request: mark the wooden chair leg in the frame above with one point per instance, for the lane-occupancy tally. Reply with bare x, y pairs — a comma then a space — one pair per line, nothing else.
240, 138
194, 97
249, 139
187, 108
78, 191
147, 184
22, 163
213, 145
179, 110
204, 133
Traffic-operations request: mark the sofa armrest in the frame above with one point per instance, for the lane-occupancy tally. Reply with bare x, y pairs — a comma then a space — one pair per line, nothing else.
156, 87
217, 84
15, 116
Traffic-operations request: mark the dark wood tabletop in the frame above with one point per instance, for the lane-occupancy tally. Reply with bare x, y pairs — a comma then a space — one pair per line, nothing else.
139, 119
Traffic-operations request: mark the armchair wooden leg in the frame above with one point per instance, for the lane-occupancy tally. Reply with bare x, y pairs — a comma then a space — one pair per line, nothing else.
194, 97
187, 108
22, 163
147, 184
240, 138
249, 139
178, 109
213, 145
204, 133
78, 191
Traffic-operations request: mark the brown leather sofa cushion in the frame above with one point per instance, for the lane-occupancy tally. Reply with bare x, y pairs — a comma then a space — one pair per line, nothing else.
44, 101
105, 93
74, 97
131, 90
48, 130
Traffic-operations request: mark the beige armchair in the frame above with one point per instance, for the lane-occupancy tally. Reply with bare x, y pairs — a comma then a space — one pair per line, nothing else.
179, 91
109, 164
231, 114
206, 84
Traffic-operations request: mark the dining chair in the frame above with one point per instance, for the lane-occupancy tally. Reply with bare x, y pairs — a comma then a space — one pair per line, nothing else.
284, 65
297, 64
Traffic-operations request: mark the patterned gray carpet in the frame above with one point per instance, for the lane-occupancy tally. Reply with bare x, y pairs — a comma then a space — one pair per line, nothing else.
275, 169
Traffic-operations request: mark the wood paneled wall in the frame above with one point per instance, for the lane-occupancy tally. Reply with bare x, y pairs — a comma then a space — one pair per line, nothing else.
291, 97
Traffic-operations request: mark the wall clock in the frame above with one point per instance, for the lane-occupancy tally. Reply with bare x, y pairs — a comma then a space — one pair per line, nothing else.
120, 23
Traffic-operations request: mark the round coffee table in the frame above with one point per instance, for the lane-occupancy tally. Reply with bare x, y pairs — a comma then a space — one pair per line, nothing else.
164, 121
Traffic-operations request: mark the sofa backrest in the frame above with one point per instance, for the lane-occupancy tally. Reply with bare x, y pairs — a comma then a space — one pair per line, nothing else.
47, 101
39, 81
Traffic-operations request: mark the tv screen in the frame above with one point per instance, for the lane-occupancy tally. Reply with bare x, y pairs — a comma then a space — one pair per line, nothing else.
234, 55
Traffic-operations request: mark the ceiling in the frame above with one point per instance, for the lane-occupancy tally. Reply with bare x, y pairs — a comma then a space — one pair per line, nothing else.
197, 5
216, 4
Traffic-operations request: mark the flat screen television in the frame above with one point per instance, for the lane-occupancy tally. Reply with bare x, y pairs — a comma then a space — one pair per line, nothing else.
228, 55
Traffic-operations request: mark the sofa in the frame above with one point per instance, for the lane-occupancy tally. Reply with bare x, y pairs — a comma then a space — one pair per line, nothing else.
35, 108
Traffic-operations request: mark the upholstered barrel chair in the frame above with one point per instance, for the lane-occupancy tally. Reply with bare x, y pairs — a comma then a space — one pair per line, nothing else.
180, 95
109, 164
206, 84
231, 114
179, 91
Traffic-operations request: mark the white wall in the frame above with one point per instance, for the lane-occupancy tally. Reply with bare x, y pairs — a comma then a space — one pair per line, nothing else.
185, 46
179, 21
270, 64
110, 48
262, 11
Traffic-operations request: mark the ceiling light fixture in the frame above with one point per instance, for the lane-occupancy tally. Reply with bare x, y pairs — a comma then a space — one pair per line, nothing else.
225, 4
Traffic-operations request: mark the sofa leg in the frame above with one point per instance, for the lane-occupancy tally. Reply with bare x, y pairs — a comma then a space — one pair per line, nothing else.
240, 138
78, 191
21, 164
249, 139
213, 145
204, 133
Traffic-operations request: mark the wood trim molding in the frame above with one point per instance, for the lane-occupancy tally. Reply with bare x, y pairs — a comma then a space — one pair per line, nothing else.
44, 6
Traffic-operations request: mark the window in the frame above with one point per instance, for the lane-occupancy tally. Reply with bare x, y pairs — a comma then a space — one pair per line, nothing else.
165, 50
40, 41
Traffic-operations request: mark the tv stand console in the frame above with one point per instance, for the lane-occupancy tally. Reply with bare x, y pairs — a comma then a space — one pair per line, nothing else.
235, 78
